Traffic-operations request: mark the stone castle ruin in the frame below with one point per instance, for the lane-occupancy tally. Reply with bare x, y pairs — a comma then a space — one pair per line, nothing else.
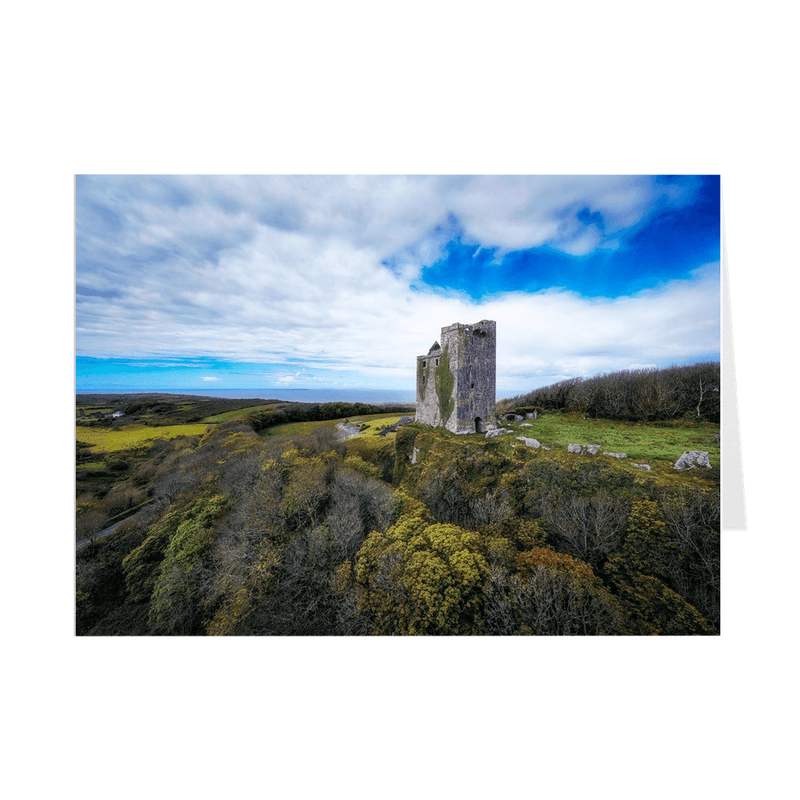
456, 379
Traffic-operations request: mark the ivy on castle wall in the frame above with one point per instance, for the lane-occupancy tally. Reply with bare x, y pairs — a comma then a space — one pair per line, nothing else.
445, 381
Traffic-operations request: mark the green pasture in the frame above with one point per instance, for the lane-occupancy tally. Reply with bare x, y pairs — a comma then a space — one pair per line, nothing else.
239, 412
375, 422
109, 440
651, 443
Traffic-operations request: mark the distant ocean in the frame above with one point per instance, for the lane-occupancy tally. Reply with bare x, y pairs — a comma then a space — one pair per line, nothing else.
376, 396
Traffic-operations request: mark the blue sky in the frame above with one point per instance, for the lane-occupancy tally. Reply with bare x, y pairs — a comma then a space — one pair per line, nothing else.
227, 282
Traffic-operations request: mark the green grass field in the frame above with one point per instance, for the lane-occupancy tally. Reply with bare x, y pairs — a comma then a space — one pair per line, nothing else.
239, 412
109, 440
658, 444
642, 442
375, 422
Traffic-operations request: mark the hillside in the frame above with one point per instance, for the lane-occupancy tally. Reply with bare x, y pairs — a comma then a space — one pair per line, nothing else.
119, 435
253, 528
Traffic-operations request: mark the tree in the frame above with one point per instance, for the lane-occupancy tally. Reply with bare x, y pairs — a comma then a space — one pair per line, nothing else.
658, 576
174, 603
244, 571
302, 602
647, 394
420, 577
306, 488
551, 594
591, 528
693, 520
653, 607
88, 525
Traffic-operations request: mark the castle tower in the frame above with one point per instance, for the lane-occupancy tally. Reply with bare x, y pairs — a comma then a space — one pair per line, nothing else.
456, 379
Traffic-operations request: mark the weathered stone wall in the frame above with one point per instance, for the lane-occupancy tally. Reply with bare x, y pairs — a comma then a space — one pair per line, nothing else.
456, 379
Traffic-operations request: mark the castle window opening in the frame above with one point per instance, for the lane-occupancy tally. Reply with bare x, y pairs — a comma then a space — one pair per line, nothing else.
424, 364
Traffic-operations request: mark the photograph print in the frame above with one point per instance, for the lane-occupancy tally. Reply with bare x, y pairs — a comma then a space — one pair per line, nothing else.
387, 405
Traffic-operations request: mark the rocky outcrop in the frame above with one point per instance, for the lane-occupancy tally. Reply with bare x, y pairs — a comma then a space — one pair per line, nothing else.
642, 466
583, 449
616, 455
496, 432
693, 458
529, 442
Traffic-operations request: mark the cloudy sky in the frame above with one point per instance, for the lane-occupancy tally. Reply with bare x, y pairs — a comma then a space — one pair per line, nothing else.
215, 282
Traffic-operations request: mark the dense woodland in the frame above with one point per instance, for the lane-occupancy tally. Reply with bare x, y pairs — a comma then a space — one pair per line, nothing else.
241, 533
646, 394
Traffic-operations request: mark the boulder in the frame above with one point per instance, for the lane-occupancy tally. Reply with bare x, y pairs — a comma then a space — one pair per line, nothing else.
526, 425
616, 455
693, 458
529, 442
583, 449
497, 432
642, 466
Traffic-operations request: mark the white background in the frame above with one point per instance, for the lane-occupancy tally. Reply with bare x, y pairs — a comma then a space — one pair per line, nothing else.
619, 87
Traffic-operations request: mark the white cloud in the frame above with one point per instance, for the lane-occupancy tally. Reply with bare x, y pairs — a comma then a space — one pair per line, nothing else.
386, 214
286, 379
553, 333
514, 213
290, 269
